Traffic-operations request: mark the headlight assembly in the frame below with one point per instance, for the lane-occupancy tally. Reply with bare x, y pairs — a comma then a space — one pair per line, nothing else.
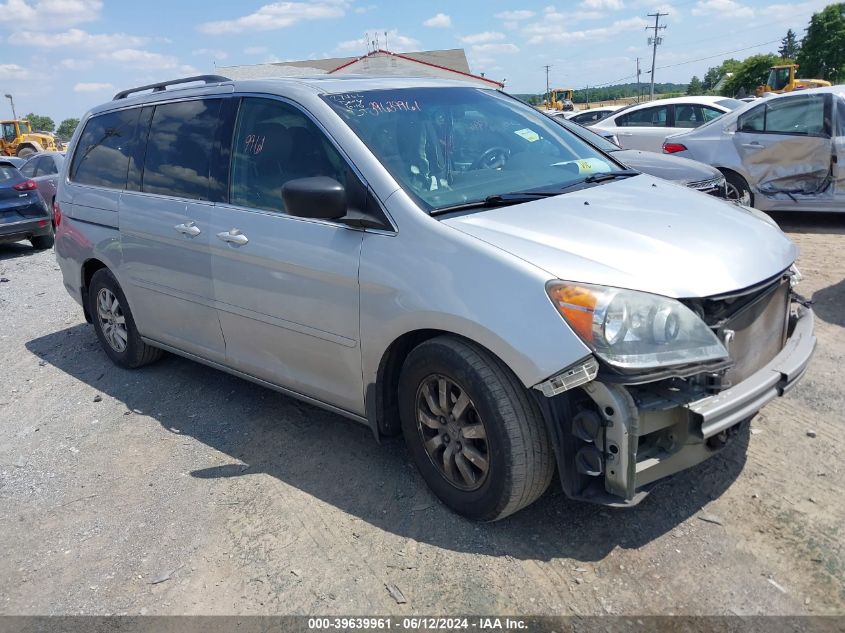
635, 330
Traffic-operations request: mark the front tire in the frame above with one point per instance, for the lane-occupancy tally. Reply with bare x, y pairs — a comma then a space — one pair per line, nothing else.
114, 324
473, 431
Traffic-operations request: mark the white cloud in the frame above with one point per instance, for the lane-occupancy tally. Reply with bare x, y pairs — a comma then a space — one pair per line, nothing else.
603, 5
12, 71
277, 15
76, 64
92, 87
515, 16
504, 49
481, 38
210, 52
49, 14
76, 38
255, 50
148, 60
722, 9
395, 42
541, 33
439, 21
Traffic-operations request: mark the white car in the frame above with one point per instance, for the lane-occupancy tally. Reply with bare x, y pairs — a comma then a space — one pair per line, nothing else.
646, 125
591, 116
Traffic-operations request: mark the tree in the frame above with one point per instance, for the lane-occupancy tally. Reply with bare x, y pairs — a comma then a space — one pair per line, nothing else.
789, 46
694, 87
822, 54
715, 74
752, 72
40, 123
66, 128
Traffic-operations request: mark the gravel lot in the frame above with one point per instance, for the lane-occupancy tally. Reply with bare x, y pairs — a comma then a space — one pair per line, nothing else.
177, 489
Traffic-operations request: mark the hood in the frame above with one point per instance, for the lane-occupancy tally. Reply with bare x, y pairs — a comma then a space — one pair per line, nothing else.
674, 168
639, 233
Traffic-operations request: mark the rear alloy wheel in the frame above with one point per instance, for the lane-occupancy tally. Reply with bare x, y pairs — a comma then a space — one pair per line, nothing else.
473, 430
114, 324
738, 190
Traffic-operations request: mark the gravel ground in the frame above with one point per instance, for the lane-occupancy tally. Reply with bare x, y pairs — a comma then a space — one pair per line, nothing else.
177, 489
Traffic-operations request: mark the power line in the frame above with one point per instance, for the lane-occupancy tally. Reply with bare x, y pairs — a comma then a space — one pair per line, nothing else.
701, 59
655, 41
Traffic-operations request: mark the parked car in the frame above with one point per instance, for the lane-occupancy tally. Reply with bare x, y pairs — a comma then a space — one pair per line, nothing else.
689, 173
588, 117
44, 169
435, 259
14, 160
23, 213
778, 154
646, 125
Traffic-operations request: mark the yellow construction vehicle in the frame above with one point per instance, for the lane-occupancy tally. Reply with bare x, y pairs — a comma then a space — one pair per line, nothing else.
18, 139
782, 79
560, 99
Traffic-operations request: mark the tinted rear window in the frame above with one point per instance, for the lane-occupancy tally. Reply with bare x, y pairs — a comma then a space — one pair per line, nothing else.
179, 148
9, 173
730, 104
102, 153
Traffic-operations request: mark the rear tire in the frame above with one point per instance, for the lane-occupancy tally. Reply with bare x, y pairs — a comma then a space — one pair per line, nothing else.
43, 242
473, 431
738, 189
23, 152
114, 324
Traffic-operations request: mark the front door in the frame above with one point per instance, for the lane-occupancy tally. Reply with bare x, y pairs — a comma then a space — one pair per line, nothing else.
286, 287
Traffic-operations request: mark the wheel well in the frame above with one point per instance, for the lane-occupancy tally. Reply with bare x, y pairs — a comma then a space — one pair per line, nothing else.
730, 172
88, 270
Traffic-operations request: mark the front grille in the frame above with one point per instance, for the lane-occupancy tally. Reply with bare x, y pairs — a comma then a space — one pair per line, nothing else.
756, 333
712, 186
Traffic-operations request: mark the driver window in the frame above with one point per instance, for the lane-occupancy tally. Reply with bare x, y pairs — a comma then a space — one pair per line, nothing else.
803, 115
9, 131
647, 117
274, 143
753, 121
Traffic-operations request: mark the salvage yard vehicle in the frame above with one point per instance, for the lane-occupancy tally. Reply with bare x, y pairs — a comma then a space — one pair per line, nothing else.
689, 173
646, 125
782, 153
23, 213
593, 115
782, 79
434, 259
44, 170
18, 139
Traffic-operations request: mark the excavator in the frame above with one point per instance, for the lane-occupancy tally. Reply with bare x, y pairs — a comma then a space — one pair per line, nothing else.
782, 79
560, 99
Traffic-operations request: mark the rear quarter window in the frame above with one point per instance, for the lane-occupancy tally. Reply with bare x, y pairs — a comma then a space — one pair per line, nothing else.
102, 154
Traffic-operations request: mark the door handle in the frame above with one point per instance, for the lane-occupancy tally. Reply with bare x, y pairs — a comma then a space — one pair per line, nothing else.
190, 229
233, 237
625, 133
754, 145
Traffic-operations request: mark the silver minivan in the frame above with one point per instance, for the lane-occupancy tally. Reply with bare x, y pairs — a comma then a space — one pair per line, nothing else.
434, 259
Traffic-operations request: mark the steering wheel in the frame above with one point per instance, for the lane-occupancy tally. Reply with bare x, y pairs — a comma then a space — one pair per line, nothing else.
492, 158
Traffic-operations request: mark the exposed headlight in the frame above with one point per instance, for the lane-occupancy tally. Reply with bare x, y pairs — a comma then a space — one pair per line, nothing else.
635, 330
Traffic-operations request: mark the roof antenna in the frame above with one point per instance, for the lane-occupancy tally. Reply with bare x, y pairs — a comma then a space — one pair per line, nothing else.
385, 42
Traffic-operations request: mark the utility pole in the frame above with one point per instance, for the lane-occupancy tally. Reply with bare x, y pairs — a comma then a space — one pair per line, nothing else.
548, 90
654, 41
639, 91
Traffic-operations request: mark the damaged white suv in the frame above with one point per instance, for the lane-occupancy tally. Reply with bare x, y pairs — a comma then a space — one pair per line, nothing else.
781, 153
436, 259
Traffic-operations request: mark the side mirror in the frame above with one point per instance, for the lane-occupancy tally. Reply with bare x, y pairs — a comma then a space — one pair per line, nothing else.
319, 197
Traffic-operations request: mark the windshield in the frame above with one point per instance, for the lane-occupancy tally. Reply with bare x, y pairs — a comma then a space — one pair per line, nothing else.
451, 146
778, 78
588, 135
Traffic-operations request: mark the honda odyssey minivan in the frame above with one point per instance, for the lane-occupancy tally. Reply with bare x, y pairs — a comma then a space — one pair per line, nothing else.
438, 260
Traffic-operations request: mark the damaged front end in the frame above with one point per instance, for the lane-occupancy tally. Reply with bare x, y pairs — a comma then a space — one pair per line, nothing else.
619, 430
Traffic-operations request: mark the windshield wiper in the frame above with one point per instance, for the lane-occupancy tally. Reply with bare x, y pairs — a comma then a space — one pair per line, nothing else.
498, 200
610, 175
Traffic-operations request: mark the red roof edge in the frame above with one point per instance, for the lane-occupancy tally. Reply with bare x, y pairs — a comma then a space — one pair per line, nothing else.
418, 61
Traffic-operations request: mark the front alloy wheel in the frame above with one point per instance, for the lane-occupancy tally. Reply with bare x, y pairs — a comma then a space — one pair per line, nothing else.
452, 432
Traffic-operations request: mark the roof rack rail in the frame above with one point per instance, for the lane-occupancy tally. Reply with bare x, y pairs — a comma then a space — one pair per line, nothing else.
161, 86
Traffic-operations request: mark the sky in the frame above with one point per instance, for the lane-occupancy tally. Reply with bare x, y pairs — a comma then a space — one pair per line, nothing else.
61, 57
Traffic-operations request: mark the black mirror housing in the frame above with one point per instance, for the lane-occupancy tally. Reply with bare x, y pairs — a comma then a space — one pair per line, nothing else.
318, 197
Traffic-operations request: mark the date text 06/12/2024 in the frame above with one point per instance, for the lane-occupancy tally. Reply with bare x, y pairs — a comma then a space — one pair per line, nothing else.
417, 623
